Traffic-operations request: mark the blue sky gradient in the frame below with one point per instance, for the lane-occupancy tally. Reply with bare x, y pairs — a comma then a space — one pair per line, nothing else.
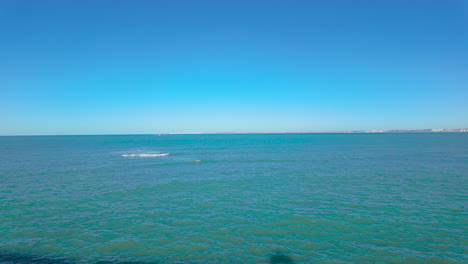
113, 67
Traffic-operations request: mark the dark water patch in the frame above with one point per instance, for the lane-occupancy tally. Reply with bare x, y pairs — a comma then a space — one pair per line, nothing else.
18, 258
281, 258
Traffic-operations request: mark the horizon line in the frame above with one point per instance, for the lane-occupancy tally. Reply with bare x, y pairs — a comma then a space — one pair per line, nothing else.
377, 131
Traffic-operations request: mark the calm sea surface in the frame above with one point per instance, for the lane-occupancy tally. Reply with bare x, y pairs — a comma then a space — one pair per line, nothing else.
305, 198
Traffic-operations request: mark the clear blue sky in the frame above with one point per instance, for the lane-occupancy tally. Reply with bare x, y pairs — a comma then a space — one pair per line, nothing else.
109, 67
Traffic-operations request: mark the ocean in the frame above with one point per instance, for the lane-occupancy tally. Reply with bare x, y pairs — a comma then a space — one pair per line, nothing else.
234, 198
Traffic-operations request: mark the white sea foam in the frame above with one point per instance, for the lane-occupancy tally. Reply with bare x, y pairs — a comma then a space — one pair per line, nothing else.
144, 155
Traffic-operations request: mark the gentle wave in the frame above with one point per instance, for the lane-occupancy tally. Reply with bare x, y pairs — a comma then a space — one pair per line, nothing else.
145, 155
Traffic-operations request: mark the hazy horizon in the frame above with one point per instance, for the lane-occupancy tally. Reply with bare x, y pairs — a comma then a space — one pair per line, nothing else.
254, 132
147, 67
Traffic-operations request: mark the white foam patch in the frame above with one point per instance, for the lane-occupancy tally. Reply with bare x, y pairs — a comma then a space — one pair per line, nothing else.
145, 155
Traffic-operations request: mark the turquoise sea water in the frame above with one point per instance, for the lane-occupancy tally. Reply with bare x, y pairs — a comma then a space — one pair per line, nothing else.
312, 198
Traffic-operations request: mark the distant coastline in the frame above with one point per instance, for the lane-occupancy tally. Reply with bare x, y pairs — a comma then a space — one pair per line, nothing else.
429, 130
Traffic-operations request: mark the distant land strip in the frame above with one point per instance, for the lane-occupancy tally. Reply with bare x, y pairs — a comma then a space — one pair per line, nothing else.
429, 130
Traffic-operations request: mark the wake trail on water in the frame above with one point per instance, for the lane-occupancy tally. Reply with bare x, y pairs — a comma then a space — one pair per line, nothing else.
145, 155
